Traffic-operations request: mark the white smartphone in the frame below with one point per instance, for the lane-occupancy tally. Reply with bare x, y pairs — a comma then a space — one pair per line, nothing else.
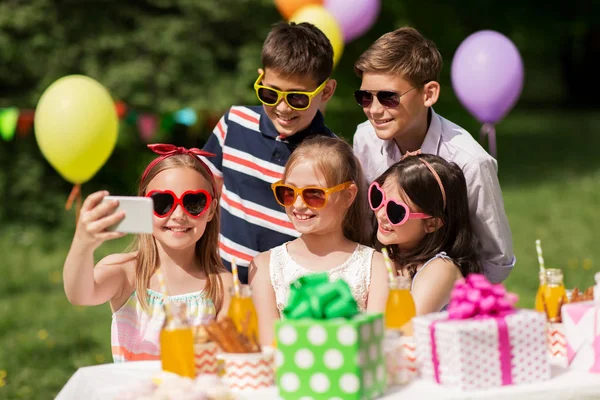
138, 214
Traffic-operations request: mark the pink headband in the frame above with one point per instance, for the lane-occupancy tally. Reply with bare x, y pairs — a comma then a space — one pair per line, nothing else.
429, 167
168, 150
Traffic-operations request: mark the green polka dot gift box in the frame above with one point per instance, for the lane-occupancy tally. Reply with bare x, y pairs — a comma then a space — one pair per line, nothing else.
326, 350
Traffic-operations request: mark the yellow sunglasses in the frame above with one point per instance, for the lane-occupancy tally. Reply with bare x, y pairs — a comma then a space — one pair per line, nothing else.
296, 100
313, 196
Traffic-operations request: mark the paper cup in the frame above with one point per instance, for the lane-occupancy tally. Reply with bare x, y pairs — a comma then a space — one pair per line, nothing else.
557, 343
205, 357
401, 359
248, 371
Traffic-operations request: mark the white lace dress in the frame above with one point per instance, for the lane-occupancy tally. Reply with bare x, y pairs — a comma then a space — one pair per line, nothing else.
356, 271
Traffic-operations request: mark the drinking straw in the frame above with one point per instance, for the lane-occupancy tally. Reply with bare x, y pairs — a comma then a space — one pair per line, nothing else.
161, 283
236, 281
538, 247
163, 289
388, 264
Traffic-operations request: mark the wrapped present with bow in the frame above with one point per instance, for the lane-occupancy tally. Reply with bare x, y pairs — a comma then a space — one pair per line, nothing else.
581, 322
327, 348
482, 341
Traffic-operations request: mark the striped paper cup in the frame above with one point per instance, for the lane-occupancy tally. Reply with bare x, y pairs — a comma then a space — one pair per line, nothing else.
205, 357
248, 371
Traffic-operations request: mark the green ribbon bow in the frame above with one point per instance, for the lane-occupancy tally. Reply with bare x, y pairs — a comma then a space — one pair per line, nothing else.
313, 296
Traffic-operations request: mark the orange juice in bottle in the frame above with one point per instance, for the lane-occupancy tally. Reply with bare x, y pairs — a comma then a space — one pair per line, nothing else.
242, 311
177, 342
554, 292
539, 297
400, 306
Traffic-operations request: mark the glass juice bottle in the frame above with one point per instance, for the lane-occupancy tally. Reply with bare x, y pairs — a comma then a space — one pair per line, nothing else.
242, 311
177, 342
400, 306
539, 297
554, 292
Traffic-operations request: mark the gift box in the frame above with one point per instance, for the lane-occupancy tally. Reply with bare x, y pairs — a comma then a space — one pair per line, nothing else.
400, 358
248, 371
326, 349
557, 344
482, 341
205, 358
581, 323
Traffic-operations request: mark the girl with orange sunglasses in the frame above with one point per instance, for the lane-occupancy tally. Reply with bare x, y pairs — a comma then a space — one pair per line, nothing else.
324, 193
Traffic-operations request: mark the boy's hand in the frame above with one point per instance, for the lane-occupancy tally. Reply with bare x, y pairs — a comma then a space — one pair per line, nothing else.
95, 217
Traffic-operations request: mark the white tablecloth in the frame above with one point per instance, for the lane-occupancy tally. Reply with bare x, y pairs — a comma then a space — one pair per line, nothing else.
105, 381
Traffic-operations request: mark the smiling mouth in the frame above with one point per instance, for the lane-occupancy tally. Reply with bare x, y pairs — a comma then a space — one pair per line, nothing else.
385, 229
285, 119
303, 217
178, 230
383, 121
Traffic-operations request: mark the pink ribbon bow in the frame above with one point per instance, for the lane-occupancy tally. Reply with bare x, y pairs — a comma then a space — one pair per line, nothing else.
411, 153
168, 150
475, 296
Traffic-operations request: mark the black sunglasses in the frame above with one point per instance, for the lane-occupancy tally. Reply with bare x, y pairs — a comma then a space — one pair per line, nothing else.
386, 98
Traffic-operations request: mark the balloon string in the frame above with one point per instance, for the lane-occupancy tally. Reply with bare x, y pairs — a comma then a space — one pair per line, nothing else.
74, 196
489, 130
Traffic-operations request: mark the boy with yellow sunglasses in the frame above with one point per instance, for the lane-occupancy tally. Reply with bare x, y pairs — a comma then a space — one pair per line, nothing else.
252, 143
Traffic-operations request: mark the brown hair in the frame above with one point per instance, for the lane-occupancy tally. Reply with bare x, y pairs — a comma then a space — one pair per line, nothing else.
455, 236
404, 52
334, 158
298, 49
207, 248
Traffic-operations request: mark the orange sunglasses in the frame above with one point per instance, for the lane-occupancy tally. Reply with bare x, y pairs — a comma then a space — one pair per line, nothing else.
313, 196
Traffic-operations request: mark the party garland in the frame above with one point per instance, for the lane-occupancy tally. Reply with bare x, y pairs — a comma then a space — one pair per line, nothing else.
15, 121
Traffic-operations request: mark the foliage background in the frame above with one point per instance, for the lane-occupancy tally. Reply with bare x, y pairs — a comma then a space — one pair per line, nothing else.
162, 55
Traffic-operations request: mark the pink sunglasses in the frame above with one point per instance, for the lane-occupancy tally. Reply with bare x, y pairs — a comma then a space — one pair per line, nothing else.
397, 212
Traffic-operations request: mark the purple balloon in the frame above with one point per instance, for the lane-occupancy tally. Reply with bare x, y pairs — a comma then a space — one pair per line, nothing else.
487, 75
354, 17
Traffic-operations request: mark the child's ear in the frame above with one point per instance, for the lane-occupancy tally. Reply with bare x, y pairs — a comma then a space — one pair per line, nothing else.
212, 209
329, 90
352, 191
431, 93
433, 224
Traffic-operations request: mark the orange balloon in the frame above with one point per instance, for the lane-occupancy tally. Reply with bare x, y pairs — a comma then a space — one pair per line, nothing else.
287, 8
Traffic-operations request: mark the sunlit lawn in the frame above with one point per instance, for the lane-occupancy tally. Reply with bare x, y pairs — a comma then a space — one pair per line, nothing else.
549, 172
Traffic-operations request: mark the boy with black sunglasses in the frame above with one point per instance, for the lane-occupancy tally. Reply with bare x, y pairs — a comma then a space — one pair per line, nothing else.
400, 74
253, 143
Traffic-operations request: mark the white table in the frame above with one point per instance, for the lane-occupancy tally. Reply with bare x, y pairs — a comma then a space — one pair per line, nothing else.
105, 381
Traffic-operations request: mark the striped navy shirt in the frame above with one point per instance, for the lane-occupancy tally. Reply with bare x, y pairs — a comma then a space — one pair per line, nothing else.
250, 156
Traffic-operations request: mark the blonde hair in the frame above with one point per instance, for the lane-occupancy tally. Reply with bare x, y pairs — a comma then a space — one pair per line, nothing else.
404, 52
207, 248
335, 159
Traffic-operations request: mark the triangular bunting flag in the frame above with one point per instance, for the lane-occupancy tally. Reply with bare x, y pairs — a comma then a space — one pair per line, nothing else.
8, 122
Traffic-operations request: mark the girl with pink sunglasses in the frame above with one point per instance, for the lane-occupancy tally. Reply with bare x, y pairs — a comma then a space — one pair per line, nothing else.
178, 263
423, 219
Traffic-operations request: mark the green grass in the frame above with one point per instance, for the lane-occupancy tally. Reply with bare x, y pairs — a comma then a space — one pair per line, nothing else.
44, 338
549, 171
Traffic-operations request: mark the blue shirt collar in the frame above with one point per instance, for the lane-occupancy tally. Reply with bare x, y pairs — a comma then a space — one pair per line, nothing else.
316, 127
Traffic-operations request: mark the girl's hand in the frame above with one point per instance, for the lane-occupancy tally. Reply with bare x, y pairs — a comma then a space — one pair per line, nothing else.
95, 217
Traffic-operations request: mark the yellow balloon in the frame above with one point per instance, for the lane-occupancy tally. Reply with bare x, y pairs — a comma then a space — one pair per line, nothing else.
76, 127
322, 19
